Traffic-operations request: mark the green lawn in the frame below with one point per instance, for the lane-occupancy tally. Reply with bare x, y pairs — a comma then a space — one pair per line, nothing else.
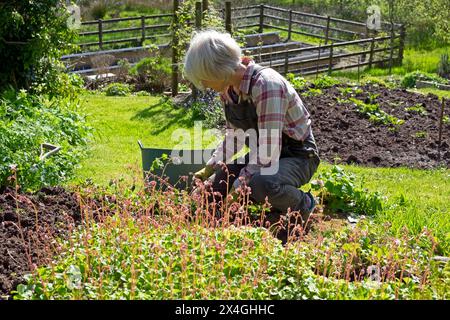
119, 122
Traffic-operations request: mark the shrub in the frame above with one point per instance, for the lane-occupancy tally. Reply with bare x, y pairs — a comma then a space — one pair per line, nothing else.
152, 74
27, 121
31, 44
340, 193
118, 89
410, 79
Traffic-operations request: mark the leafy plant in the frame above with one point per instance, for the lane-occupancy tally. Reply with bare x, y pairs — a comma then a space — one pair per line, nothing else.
341, 193
375, 114
312, 92
420, 134
118, 89
299, 83
152, 73
444, 66
324, 81
26, 122
418, 108
34, 35
410, 79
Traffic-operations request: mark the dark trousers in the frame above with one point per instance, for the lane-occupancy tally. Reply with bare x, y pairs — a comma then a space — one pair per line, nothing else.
281, 188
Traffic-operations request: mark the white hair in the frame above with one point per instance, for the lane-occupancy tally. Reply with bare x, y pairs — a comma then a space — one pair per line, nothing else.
211, 56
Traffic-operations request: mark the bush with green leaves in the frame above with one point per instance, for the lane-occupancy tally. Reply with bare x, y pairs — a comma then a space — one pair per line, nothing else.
341, 193
33, 36
324, 82
410, 79
118, 89
152, 74
26, 122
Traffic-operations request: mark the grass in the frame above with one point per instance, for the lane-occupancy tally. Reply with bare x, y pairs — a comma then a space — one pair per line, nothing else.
119, 122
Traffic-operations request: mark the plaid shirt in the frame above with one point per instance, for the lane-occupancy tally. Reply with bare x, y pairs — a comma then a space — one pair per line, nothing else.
278, 107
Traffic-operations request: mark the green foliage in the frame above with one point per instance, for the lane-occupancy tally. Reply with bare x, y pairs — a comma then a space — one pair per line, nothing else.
118, 89
446, 120
311, 92
27, 121
33, 36
186, 19
410, 79
340, 192
418, 108
152, 74
420, 134
299, 83
375, 114
324, 82
206, 108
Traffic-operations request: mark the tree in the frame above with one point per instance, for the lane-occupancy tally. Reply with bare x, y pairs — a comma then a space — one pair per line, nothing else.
33, 36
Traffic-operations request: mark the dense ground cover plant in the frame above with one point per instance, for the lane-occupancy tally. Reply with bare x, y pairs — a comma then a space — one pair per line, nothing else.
173, 244
339, 190
26, 122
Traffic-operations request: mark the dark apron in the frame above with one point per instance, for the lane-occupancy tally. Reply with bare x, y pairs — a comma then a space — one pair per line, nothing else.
243, 116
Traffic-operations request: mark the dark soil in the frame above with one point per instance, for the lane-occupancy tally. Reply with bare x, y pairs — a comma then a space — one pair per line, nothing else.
343, 135
27, 234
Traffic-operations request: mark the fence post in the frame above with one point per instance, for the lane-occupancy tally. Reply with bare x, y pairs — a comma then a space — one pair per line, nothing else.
290, 24
175, 49
318, 59
327, 30
261, 18
391, 53
142, 30
198, 26
100, 33
286, 60
372, 48
401, 45
205, 7
228, 16
440, 129
330, 62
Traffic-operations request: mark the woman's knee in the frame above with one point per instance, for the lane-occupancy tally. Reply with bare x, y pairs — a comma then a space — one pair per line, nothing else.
264, 186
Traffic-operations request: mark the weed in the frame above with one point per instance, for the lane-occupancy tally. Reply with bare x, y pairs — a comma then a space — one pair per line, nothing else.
375, 114
418, 109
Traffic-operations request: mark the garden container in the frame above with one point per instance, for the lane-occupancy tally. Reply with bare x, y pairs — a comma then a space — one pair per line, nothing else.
181, 162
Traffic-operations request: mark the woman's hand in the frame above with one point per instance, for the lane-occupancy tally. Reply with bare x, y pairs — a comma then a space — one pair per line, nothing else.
204, 173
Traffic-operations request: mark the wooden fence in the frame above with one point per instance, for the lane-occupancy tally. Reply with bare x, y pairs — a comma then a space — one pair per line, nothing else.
339, 44
104, 34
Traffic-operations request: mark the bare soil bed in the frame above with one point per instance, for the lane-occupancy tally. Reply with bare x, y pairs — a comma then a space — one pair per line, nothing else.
28, 227
344, 135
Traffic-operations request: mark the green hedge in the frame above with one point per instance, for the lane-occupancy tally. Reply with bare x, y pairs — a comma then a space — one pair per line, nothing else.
27, 121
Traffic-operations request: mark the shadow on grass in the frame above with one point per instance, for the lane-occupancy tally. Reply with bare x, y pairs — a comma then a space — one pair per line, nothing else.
165, 115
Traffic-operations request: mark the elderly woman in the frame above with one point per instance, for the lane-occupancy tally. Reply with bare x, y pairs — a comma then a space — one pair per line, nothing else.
259, 100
